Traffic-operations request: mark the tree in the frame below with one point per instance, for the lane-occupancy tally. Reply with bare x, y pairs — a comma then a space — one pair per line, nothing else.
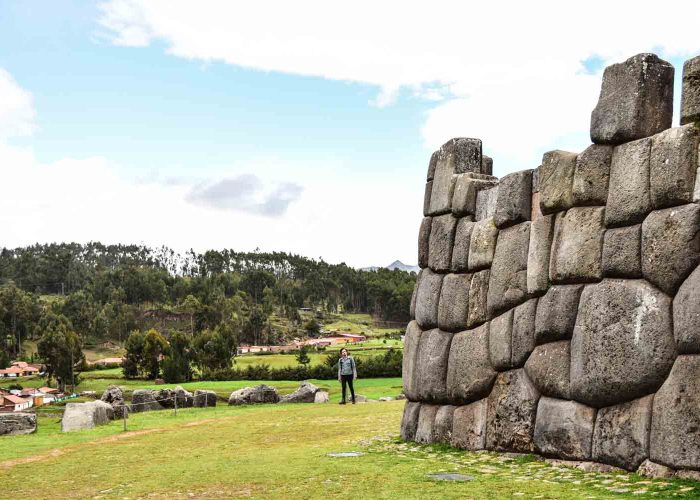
176, 364
133, 359
154, 347
4, 359
214, 349
303, 355
191, 306
59, 348
312, 327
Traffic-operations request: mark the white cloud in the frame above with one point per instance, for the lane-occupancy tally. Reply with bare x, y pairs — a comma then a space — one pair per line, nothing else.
16, 108
513, 68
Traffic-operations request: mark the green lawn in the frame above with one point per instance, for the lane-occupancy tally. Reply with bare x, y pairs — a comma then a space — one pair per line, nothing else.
357, 323
281, 451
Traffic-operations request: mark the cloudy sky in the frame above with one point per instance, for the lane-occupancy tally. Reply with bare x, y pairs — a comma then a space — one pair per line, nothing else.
297, 126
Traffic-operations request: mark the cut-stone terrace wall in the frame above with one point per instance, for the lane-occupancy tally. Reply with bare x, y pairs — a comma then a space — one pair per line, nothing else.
557, 310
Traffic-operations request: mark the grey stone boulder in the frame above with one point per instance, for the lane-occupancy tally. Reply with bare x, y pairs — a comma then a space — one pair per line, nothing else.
167, 398
523, 333
453, 309
556, 313
636, 100
254, 395
486, 200
145, 400
321, 397
469, 426
564, 429
409, 372
674, 160
431, 365
501, 340
83, 416
306, 393
508, 280
432, 165
460, 251
556, 180
467, 187
470, 375
441, 189
621, 435
622, 252
512, 408
654, 470
541, 233
623, 346
577, 246
427, 298
478, 295
409, 421
442, 237
426, 424
424, 242
204, 398
514, 199
486, 165
426, 198
114, 396
591, 175
671, 246
482, 244
442, 429
675, 437
690, 96
686, 315
456, 156
629, 196
548, 368
17, 423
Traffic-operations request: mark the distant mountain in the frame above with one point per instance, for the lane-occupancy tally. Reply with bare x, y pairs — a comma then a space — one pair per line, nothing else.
397, 264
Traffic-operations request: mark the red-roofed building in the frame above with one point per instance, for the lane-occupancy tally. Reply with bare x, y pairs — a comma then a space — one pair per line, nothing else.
15, 403
11, 372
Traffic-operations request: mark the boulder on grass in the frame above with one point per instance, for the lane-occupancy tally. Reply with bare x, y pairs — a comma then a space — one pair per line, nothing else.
321, 397
14, 424
82, 416
204, 398
145, 400
306, 393
167, 397
114, 396
252, 395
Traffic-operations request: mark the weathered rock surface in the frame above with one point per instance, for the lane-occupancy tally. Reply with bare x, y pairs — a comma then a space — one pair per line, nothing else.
114, 396
306, 393
453, 309
512, 408
409, 422
442, 429
442, 236
441, 190
577, 246
564, 429
82, 416
654, 470
470, 375
426, 198
690, 97
621, 435
686, 315
636, 100
556, 313
629, 197
456, 156
671, 245
622, 253
322, 397
467, 187
478, 295
523, 334
675, 424
460, 252
431, 365
410, 354
514, 198
486, 200
508, 280
482, 245
623, 345
500, 341
204, 398
428, 298
674, 159
17, 423
167, 398
486, 165
591, 175
432, 165
424, 242
556, 181
541, 233
469, 426
253, 395
426, 424
145, 400
548, 368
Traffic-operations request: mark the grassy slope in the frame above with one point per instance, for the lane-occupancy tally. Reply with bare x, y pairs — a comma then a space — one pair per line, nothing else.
280, 452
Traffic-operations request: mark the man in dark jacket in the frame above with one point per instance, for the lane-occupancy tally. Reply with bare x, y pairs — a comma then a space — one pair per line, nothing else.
347, 372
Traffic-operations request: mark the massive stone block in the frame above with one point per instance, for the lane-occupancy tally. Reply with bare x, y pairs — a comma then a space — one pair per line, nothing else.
686, 315
443, 185
442, 238
486, 201
431, 365
427, 298
622, 253
469, 426
16, 424
636, 100
541, 233
432, 165
467, 187
623, 346
512, 408
460, 252
621, 436
486, 165
410, 355
556, 181
463, 154
508, 280
591, 175
409, 421
470, 375
482, 245
577, 246
500, 341
674, 438
453, 309
514, 198
564, 429
556, 313
426, 198
674, 160
424, 242
523, 334
478, 294
442, 430
548, 368
671, 245
426, 424
629, 197
690, 96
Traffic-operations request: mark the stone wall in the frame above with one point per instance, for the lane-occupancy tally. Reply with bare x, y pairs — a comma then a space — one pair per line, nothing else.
558, 309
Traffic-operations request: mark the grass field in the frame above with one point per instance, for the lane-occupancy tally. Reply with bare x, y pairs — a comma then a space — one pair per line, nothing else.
282, 451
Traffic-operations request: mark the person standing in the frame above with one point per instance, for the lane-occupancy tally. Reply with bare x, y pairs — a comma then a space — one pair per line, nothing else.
347, 373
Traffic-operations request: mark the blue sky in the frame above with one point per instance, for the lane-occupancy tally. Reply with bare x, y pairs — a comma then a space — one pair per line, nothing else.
304, 128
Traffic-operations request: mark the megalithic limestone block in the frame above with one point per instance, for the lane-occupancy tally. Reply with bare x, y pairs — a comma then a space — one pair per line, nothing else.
636, 100
512, 408
486, 200
410, 356
556, 313
690, 96
514, 199
482, 244
486, 165
469, 426
672, 166
442, 237
442, 430
629, 197
478, 295
501, 341
541, 233
467, 187
427, 298
426, 198
591, 175
564, 429
577, 246
456, 156
431, 365
622, 252
432, 165
424, 242
409, 421
470, 375
686, 315
460, 251
548, 368
426, 424
508, 281
523, 333
453, 310
556, 181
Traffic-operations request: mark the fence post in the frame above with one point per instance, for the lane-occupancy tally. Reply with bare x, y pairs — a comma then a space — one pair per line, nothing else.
124, 415
176, 405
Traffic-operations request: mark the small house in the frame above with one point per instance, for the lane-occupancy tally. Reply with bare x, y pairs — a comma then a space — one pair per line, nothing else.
15, 403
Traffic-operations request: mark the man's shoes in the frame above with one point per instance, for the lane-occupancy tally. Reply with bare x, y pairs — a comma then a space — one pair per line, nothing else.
353, 400
342, 402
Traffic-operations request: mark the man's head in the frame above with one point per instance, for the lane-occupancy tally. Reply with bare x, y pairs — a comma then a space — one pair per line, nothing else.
344, 352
